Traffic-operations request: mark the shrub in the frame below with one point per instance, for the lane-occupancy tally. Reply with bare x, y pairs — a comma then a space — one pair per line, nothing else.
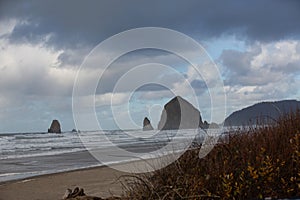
260, 162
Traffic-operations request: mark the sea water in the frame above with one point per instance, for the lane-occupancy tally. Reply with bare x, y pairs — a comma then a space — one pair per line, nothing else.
24, 155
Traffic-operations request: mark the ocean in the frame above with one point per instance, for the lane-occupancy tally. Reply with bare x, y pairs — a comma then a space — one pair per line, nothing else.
24, 155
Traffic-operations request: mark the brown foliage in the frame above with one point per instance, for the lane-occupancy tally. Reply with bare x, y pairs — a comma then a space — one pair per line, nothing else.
260, 162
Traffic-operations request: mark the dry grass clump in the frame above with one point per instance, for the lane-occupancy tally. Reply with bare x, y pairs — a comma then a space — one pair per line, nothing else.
256, 163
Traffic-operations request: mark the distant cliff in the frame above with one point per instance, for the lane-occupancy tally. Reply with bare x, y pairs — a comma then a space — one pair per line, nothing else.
179, 114
265, 112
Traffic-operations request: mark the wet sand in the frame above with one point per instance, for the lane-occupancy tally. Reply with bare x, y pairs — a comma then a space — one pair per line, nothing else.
101, 181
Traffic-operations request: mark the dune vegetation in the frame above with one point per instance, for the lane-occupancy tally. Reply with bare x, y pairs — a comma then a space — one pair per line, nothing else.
256, 163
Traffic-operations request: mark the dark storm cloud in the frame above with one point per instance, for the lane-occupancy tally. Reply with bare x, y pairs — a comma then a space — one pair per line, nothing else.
72, 21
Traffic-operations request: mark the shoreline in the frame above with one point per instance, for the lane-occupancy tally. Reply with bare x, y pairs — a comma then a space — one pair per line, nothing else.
49, 174
101, 181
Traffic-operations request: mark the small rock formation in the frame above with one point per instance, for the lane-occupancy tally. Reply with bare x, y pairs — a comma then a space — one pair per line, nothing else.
179, 114
205, 125
55, 127
147, 125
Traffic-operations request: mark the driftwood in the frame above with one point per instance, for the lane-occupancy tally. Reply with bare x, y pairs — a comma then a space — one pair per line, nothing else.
78, 194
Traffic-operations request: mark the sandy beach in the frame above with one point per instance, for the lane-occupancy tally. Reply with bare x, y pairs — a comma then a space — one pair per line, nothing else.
98, 181
101, 181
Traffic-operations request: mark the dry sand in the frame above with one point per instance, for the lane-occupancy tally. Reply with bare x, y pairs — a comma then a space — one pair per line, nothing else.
100, 181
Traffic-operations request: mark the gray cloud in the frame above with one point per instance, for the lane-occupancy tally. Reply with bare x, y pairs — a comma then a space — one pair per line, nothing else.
127, 63
238, 62
40, 56
71, 22
199, 86
262, 64
263, 72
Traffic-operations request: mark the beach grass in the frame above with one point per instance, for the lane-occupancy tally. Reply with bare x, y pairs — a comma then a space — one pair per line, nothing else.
256, 163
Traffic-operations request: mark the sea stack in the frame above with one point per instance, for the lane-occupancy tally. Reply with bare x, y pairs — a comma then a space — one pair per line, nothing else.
55, 127
147, 125
179, 114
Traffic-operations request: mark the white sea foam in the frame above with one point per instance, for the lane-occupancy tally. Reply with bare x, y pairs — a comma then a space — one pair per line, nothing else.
31, 154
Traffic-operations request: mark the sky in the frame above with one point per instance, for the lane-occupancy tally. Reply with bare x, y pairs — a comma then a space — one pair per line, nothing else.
43, 44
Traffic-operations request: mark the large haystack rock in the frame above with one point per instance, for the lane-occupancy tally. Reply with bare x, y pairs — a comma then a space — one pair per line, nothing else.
179, 114
147, 125
55, 127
